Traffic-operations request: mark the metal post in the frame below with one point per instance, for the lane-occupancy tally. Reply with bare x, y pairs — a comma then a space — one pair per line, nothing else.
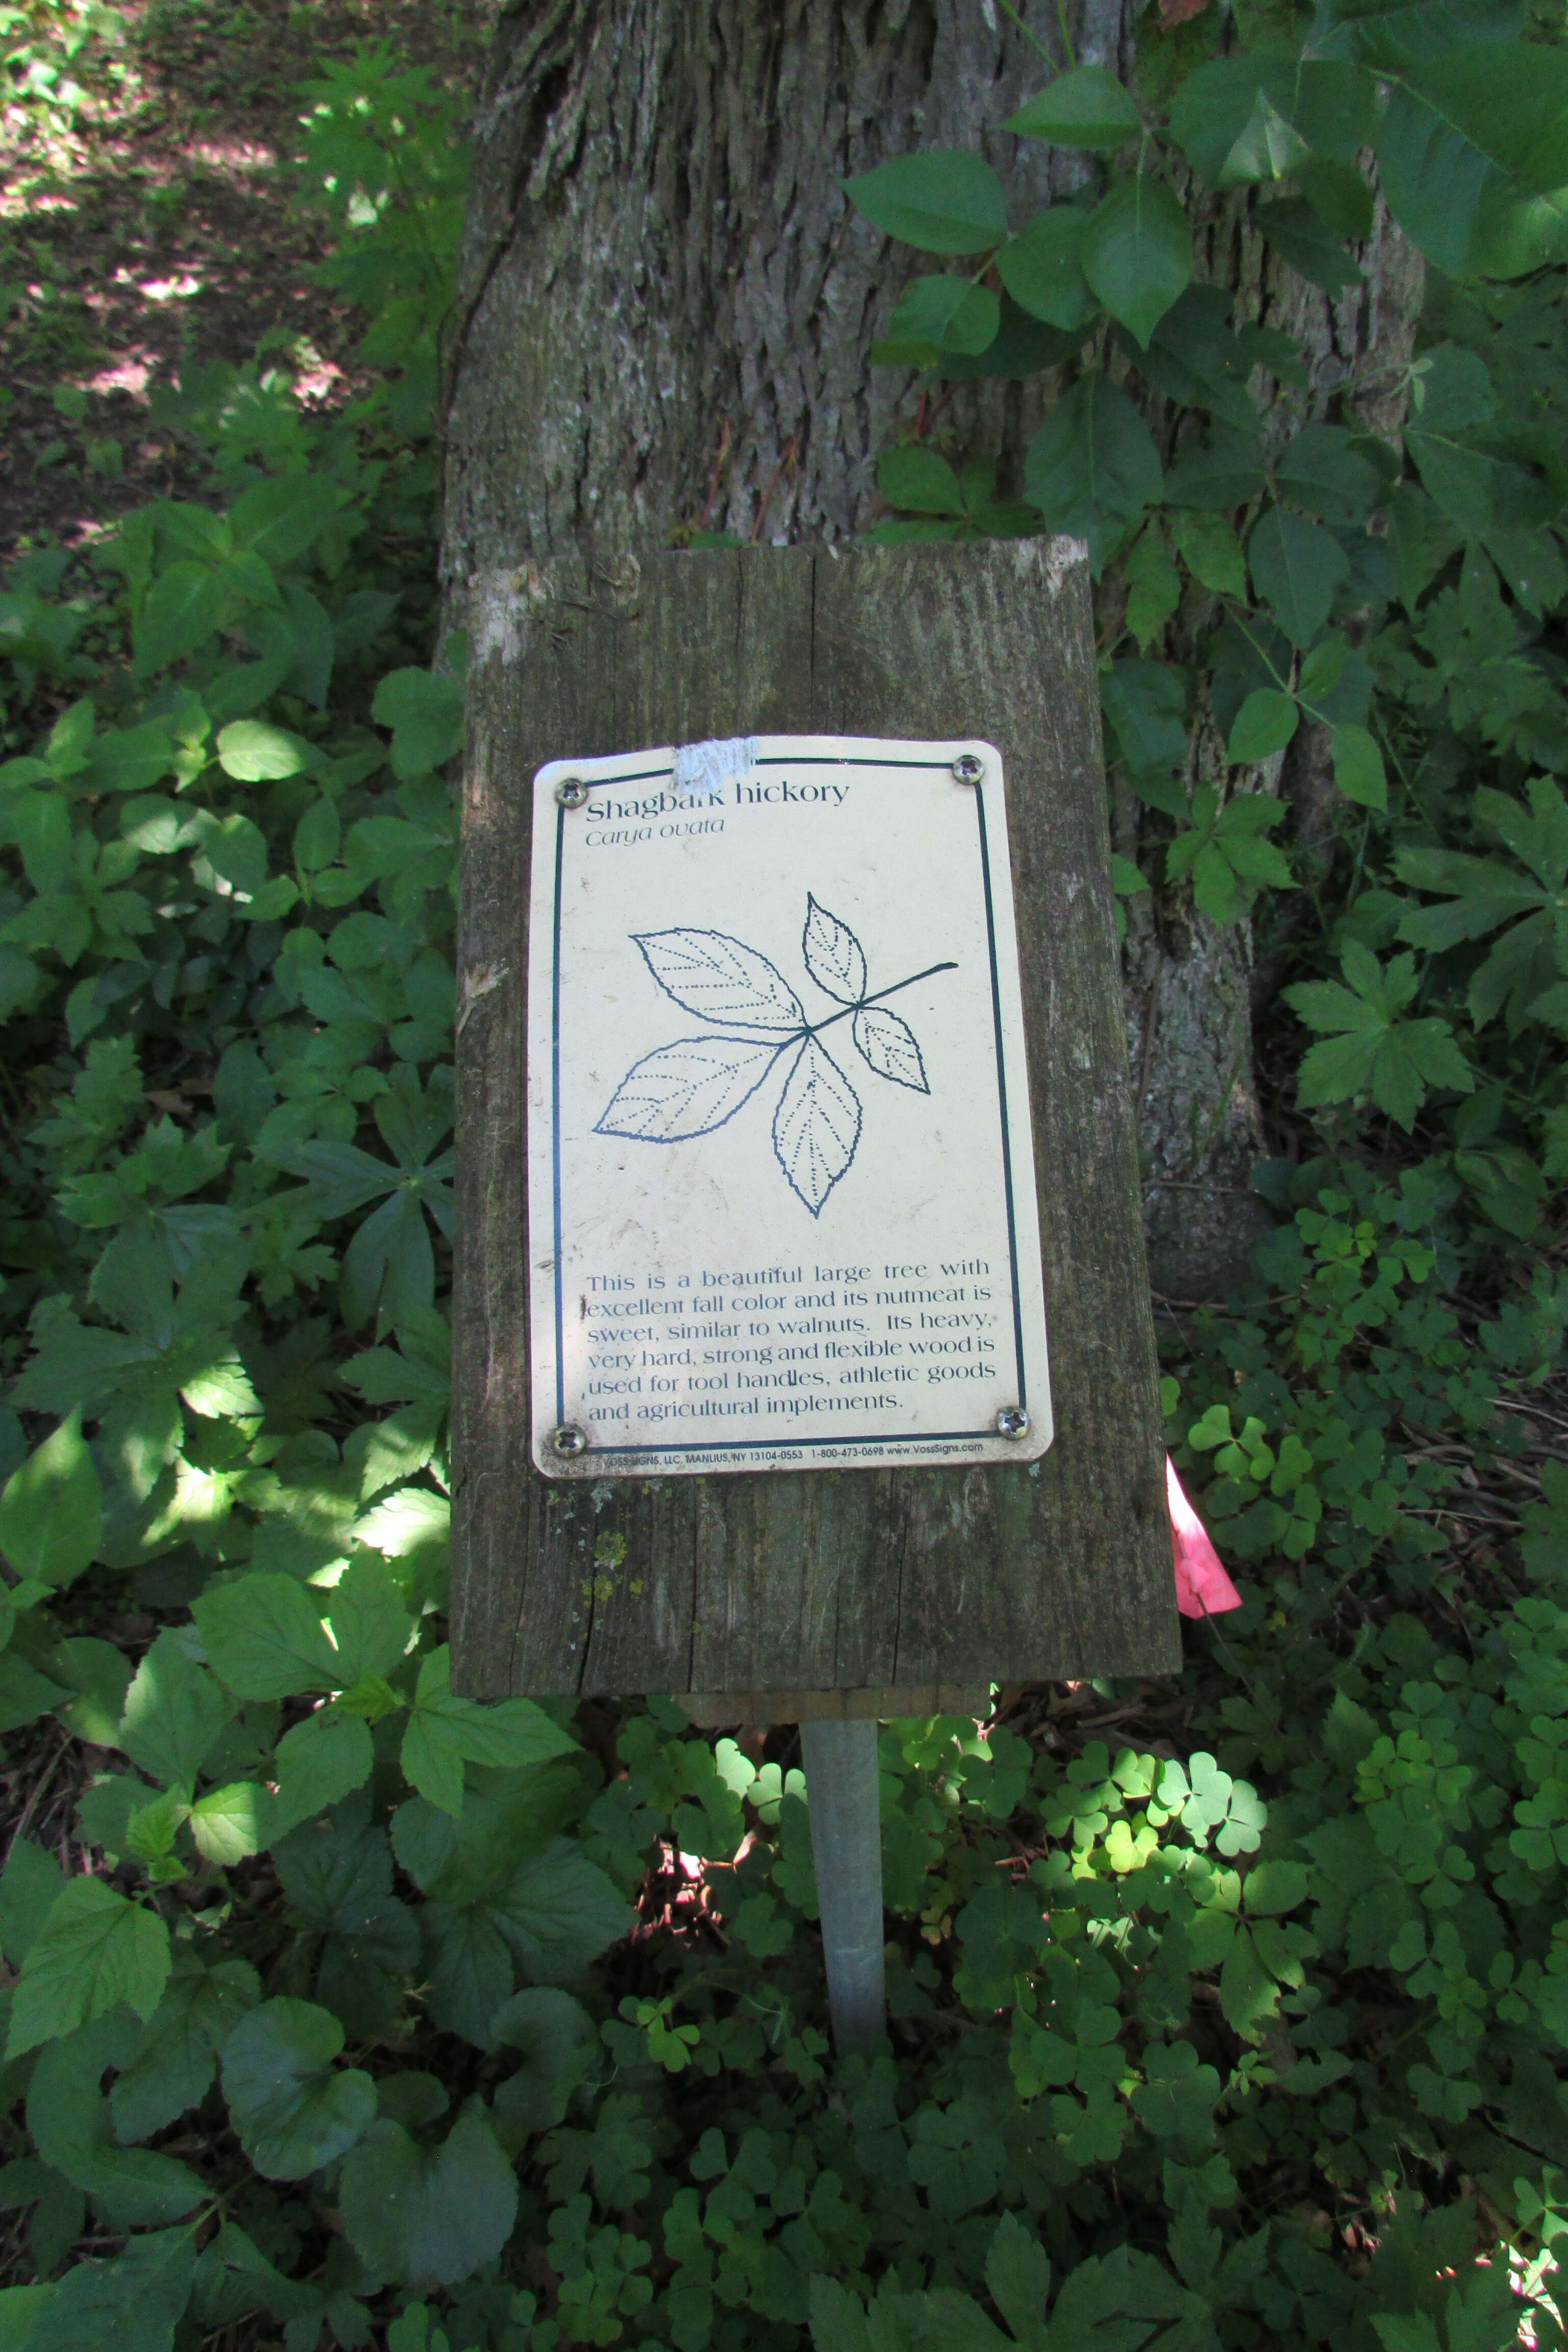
840, 1762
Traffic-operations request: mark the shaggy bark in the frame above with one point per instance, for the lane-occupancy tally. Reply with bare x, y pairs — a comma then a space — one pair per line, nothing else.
666, 324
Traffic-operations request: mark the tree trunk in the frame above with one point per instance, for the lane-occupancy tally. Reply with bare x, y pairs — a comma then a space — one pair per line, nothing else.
666, 325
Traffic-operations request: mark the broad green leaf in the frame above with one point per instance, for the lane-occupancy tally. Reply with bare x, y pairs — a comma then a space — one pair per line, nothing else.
281, 517
52, 1509
920, 481
256, 754
1466, 142
1019, 2278
186, 607
424, 709
1137, 253
370, 1623
1358, 767
319, 1762
1092, 468
1086, 107
1225, 471
28, 1885
292, 2111
265, 1638
1145, 704
1154, 586
1042, 268
555, 2036
130, 2305
230, 1823
1296, 567
430, 2216
172, 2064
1210, 550
19, 2306
1265, 724
1312, 249
94, 1950
947, 200
69, 2120
947, 314
445, 1732
1241, 119
1321, 470
174, 1714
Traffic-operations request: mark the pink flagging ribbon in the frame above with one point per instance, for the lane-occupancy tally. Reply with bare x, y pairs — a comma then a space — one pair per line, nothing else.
1203, 1588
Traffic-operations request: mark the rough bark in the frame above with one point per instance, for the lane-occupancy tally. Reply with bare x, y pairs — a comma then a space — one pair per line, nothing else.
666, 323
669, 305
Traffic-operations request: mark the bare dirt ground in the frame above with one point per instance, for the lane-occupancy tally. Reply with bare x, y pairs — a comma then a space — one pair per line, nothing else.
151, 220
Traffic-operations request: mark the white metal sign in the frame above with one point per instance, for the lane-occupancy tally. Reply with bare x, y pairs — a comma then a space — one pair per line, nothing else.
781, 1203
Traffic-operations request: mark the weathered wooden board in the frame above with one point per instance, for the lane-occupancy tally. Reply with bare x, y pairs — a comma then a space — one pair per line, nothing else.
800, 1582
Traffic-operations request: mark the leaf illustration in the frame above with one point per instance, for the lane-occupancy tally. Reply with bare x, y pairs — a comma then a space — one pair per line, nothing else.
722, 978
888, 1043
833, 956
816, 1125
686, 1088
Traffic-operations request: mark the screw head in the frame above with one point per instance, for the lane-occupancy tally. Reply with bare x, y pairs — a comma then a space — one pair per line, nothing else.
569, 1440
571, 791
1012, 1422
969, 767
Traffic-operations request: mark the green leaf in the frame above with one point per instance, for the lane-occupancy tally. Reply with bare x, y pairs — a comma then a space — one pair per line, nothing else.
1092, 468
95, 1948
174, 1714
1137, 253
946, 314
19, 2306
1296, 567
185, 607
1042, 268
254, 753
424, 709
1371, 1048
1264, 724
429, 2216
1226, 471
1358, 767
556, 2038
371, 1624
920, 481
28, 1885
946, 201
130, 2305
445, 1732
1312, 249
1210, 550
1466, 142
1321, 470
1019, 2278
171, 2066
292, 2112
320, 1760
52, 1509
265, 1638
1146, 704
1154, 586
1084, 108
281, 517
1271, 1888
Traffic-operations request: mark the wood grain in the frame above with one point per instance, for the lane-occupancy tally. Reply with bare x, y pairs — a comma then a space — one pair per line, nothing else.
840, 1579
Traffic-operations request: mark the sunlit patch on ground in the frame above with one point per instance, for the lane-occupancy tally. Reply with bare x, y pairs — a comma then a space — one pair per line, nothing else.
149, 222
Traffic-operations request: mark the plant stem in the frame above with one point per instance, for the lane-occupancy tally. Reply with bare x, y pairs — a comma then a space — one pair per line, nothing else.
816, 1027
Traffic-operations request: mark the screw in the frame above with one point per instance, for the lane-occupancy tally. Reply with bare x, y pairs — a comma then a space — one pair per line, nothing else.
969, 767
568, 1441
1012, 1422
571, 791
